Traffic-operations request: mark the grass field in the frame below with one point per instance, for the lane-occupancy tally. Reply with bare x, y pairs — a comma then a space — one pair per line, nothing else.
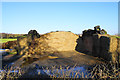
6, 40
118, 36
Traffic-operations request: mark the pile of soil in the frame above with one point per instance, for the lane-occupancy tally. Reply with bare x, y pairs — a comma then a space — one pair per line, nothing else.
9, 45
54, 48
48, 43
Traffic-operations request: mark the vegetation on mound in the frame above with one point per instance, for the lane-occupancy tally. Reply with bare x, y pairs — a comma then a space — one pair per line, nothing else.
10, 36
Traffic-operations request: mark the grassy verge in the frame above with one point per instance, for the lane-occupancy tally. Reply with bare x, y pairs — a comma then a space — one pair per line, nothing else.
6, 40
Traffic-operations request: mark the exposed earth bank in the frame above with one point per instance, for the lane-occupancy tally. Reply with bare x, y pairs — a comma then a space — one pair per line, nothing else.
63, 49
55, 48
51, 49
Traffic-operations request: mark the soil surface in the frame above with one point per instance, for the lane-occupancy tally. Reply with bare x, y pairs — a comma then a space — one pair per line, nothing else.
66, 58
58, 48
30, 65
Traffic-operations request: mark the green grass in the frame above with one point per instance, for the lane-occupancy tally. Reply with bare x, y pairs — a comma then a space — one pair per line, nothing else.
6, 40
12, 52
114, 36
118, 36
23, 36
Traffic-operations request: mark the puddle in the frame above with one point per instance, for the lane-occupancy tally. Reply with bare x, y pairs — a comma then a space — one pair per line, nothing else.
11, 64
5, 49
2, 52
76, 72
13, 71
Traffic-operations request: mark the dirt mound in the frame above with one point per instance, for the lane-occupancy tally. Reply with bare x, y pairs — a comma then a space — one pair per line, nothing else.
60, 41
48, 43
9, 45
54, 48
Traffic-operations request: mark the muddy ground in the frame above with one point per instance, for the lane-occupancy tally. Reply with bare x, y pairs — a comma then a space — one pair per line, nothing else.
65, 58
68, 58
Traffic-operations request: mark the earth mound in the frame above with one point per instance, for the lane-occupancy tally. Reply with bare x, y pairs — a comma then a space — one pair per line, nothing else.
54, 48
9, 45
48, 43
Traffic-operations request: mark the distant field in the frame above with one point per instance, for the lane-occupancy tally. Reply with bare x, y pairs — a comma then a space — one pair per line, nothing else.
118, 36
114, 36
6, 40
